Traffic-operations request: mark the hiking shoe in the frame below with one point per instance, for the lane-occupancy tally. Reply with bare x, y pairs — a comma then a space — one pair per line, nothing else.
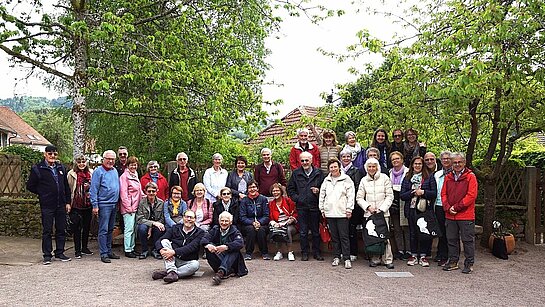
441, 262
77, 255
47, 260
113, 256
335, 262
278, 256
412, 261
105, 259
216, 279
158, 275
319, 257
424, 262
62, 257
266, 257
171, 277
130, 255
389, 266
247, 257
291, 256
86, 252
143, 255
347, 264
451, 266
468, 269
353, 258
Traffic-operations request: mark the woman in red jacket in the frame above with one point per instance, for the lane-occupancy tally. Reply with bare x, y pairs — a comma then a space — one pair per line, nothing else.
283, 214
154, 175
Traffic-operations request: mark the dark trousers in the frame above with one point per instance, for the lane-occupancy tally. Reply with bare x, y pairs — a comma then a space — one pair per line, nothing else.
399, 238
464, 230
251, 235
81, 229
420, 246
355, 220
143, 236
339, 237
442, 246
56, 215
309, 220
227, 261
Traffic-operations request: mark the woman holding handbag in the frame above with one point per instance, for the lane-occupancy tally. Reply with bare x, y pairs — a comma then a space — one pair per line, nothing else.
283, 216
418, 186
336, 203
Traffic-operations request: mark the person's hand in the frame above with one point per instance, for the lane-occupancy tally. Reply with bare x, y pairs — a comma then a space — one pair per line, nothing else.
241, 196
257, 225
167, 253
159, 225
452, 211
419, 192
315, 190
222, 248
372, 209
68, 207
211, 248
323, 215
348, 214
95, 211
276, 225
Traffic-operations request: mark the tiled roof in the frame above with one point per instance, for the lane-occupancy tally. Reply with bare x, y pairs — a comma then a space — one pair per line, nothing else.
293, 118
26, 135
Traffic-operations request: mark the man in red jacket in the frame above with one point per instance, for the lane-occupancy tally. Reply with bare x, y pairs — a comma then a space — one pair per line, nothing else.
458, 197
301, 146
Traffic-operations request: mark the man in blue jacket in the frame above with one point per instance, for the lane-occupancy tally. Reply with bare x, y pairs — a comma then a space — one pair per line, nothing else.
48, 180
104, 193
303, 189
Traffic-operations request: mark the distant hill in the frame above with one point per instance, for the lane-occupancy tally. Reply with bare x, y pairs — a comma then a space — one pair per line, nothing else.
26, 103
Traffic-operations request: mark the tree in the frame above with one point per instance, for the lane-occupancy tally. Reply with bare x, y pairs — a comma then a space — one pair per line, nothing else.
475, 72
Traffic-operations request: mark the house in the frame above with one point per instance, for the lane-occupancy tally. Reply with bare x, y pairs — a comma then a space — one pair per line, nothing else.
15, 131
288, 124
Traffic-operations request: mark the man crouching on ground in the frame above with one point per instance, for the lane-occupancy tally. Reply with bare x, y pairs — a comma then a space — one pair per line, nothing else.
222, 245
179, 247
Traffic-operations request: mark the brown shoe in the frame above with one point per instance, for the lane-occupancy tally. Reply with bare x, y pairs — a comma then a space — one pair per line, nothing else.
171, 277
216, 279
158, 275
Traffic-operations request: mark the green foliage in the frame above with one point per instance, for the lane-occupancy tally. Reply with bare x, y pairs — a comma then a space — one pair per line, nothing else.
532, 158
26, 153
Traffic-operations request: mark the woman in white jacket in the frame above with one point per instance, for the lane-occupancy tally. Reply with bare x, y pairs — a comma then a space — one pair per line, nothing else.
375, 195
336, 203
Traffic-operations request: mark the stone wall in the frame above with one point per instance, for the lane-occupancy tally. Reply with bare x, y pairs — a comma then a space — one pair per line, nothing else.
20, 217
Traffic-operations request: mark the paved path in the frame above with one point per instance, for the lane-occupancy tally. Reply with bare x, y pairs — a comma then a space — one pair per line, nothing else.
24, 281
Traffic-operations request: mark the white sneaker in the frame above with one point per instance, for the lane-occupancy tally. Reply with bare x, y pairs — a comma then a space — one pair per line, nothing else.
291, 256
347, 264
335, 262
278, 256
353, 258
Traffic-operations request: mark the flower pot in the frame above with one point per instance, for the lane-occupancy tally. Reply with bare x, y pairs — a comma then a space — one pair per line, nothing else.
509, 242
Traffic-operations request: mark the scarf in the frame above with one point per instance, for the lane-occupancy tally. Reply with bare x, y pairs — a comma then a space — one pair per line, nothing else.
176, 205
382, 150
154, 177
397, 176
354, 150
346, 168
411, 150
416, 180
81, 198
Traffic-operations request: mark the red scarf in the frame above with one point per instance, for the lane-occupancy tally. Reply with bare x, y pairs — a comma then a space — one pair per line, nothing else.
80, 199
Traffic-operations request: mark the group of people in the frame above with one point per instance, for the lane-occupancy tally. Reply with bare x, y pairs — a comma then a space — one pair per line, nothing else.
176, 218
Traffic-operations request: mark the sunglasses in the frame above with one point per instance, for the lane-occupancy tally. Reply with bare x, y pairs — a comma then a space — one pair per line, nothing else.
122, 154
304, 160
182, 159
52, 153
398, 135
151, 191
429, 159
189, 217
223, 194
153, 166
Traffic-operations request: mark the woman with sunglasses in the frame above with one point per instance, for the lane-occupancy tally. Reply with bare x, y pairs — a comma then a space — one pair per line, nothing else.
154, 175
130, 194
79, 180
420, 183
151, 221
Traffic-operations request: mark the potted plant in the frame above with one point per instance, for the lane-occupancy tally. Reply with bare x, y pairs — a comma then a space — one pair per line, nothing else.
506, 235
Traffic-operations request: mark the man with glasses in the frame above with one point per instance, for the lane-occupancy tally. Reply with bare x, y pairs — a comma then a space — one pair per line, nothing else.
150, 218
442, 247
431, 162
183, 176
179, 248
48, 180
304, 189
104, 194
458, 198
303, 145
397, 143
121, 163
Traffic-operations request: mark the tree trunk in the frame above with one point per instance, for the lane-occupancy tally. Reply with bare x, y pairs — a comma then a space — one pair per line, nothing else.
489, 209
79, 110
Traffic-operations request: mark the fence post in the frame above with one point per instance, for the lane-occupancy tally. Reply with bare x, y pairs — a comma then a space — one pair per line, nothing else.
531, 198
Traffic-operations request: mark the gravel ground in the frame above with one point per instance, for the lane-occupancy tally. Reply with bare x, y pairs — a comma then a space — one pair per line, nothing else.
516, 282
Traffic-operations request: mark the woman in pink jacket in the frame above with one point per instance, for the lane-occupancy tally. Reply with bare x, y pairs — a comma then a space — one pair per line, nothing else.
130, 193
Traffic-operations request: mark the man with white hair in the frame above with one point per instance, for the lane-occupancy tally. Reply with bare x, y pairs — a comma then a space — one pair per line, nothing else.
104, 194
183, 176
268, 173
303, 145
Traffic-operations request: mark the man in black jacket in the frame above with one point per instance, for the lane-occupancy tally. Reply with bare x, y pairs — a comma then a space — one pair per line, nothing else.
48, 180
179, 247
303, 189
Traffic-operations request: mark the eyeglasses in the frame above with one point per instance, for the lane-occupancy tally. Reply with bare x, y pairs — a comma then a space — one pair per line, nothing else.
109, 159
304, 160
189, 217
429, 159
396, 158
155, 166
223, 194
176, 193
457, 162
398, 135
52, 153
151, 191
122, 154
410, 134
182, 159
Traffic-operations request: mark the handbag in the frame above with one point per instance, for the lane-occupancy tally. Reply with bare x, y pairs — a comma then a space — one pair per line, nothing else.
325, 235
375, 229
427, 225
279, 234
376, 249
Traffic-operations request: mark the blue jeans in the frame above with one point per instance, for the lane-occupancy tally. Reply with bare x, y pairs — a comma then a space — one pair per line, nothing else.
143, 235
106, 222
309, 220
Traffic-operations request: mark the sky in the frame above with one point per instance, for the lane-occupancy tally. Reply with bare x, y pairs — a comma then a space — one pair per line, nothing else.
298, 70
